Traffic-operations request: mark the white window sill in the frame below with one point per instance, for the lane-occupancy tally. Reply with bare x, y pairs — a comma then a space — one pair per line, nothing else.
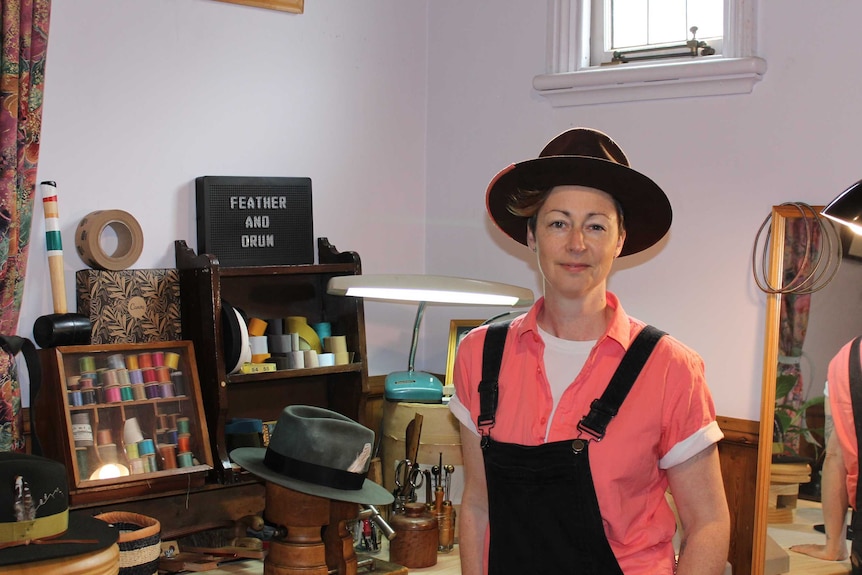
708, 76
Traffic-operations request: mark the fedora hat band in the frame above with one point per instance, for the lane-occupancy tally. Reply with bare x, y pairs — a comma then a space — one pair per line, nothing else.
20, 532
313, 473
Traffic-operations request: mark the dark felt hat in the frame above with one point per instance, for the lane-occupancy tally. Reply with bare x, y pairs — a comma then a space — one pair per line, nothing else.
35, 523
584, 157
318, 452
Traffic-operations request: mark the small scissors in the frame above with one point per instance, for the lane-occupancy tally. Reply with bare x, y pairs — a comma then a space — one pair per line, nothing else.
408, 477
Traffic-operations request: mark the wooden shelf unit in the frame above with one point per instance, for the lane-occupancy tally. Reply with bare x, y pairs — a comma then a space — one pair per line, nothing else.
269, 292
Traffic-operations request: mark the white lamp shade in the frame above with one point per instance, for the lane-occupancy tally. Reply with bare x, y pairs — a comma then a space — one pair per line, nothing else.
429, 288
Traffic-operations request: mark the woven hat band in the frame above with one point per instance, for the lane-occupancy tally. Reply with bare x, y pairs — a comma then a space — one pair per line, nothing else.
313, 473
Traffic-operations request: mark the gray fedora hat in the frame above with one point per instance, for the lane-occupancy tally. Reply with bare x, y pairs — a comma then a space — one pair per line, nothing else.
583, 157
318, 452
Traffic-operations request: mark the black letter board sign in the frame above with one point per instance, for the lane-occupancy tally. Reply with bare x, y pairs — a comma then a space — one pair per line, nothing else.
253, 221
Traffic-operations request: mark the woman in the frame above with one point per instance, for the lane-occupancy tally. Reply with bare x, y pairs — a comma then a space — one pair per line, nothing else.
551, 485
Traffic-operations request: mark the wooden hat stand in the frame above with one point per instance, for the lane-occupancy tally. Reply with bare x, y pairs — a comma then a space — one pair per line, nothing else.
302, 550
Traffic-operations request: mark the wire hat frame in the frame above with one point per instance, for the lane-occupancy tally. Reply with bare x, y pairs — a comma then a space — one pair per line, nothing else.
813, 273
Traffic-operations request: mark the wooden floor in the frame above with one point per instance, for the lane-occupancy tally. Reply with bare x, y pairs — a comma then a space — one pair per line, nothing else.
807, 515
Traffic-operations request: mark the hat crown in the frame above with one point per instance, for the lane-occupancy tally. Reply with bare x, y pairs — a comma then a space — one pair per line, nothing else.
585, 142
321, 437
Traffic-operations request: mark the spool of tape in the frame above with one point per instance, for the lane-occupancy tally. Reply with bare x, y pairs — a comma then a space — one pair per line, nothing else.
130, 240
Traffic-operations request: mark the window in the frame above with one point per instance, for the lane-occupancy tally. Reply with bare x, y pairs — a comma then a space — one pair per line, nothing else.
653, 28
571, 79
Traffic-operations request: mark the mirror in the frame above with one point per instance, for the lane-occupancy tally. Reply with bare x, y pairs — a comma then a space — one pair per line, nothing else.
834, 317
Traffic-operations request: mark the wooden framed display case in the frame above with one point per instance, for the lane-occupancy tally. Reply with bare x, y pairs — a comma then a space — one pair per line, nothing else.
269, 293
125, 419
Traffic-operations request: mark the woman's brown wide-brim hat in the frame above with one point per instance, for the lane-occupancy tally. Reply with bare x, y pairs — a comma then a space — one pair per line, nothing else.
584, 157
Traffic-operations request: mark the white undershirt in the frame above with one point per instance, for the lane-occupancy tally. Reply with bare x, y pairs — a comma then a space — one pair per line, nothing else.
563, 360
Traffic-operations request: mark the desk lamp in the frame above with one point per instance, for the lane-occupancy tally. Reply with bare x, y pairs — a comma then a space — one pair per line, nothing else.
412, 385
846, 209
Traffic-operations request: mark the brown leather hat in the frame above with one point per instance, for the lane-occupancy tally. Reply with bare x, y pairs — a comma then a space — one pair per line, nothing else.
584, 157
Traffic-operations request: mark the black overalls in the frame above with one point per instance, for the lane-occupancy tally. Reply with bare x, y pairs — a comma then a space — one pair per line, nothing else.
542, 507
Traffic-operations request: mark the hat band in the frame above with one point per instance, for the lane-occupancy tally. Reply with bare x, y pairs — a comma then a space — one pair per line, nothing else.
22, 531
313, 473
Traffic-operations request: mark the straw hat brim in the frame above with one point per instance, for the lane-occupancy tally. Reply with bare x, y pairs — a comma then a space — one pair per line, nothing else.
646, 209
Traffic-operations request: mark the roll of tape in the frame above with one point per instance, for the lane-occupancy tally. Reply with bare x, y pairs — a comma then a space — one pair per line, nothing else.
130, 240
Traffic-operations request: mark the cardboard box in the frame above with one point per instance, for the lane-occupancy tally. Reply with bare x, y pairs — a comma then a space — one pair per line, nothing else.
130, 306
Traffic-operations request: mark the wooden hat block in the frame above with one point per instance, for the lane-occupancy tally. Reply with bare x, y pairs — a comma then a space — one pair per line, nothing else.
301, 551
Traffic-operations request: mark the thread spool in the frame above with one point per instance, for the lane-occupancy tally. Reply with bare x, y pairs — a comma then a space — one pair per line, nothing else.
184, 442
139, 391
179, 381
169, 455
116, 361
132, 362
183, 425
154, 391
112, 394
145, 360
185, 459
82, 431
158, 358
172, 360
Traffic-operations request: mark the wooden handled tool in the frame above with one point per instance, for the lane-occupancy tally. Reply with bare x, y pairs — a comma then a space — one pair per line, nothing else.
412, 436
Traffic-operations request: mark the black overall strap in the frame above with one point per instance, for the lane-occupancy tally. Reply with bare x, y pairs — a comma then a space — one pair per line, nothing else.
855, 372
602, 410
15, 345
492, 358
605, 408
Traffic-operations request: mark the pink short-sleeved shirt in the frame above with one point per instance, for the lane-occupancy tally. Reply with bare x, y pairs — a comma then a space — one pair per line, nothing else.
667, 417
838, 380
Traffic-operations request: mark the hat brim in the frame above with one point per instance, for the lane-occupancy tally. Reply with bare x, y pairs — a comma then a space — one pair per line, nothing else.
646, 210
251, 459
80, 528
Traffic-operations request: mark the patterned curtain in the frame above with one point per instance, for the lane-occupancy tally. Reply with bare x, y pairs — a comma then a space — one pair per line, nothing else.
795, 308
22, 79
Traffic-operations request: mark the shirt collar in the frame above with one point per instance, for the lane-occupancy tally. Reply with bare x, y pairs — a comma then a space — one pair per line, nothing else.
619, 328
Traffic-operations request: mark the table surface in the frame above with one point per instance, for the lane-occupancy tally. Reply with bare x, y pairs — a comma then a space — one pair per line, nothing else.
447, 564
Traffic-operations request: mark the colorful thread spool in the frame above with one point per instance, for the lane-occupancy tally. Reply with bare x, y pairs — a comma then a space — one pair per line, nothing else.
169, 455
126, 393
183, 425
112, 394
184, 459
172, 360
179, 381
87, 364
145, 360
116, 361
158, 358
184, 442
153, 390
139, 391
166, 389
132, 362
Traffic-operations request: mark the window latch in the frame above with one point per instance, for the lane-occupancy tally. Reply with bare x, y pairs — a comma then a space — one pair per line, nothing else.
693, 48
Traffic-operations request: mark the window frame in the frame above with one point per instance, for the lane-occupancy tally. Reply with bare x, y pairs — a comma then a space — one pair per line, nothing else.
570, 80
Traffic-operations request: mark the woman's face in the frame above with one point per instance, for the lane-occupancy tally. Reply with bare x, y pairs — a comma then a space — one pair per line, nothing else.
576, 240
